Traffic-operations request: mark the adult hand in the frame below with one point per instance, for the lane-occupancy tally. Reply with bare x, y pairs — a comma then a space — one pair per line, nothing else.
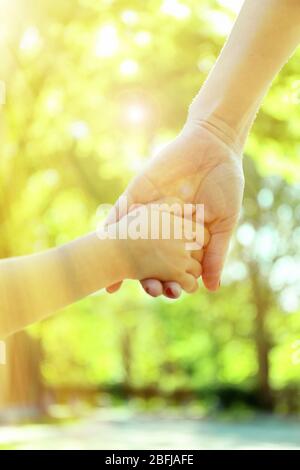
200, 167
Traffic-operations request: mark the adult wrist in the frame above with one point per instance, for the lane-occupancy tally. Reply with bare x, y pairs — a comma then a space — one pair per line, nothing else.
216, 119
225, 113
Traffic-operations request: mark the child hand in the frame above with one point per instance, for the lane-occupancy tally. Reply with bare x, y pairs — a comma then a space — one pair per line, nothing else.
167, 256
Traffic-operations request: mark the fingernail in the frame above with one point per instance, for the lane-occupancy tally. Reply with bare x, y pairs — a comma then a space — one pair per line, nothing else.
169, 292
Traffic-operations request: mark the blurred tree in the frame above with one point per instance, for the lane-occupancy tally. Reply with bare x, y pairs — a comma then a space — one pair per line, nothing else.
92, 89
269, 249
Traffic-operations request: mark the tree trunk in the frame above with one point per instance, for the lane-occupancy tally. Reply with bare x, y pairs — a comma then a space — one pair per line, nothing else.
22, 390
260, 301
263, 349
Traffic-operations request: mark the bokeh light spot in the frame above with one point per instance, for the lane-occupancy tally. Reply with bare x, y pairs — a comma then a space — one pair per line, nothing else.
79, 130
129, 67
245, 234
143, 38
129, 17
30, 40
176, 9
136, 113
107, 41
265, 198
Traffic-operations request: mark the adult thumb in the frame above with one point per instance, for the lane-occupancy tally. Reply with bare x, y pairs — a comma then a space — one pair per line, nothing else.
214, 259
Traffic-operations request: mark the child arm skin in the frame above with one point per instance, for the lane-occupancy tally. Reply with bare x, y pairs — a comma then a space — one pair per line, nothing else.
35, 286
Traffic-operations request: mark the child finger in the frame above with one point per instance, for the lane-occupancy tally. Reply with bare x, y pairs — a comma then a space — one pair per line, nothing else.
189, 283
172, 290
194, 268
153, 287
197, 255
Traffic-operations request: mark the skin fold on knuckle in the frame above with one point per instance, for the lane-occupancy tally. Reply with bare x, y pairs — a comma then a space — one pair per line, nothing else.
198, 271
193, 286
187, 283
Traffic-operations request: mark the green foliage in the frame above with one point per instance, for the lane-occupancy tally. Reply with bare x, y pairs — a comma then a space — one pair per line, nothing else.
92, 89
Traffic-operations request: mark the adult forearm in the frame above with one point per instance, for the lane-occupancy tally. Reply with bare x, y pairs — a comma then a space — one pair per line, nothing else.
263, 38
32, 287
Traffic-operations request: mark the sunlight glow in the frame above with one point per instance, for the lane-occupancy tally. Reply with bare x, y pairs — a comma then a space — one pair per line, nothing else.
143, 38
206, 63
266, 243
51, 177
286, 270
245, 234
233, 5
160, 145
129, 67
136, 164
220, 22
285, 213
129, 17
107, 41
30, 40
294, 95
79, 130
289, 300
4, 32
265, 198
53, 102
176, 9
136, 113
235, 271
2, 93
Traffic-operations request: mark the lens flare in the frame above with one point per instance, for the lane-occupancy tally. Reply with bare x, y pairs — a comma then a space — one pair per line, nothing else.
136, 113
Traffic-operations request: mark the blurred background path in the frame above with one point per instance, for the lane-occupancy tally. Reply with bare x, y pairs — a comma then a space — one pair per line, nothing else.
122, 430
92, 92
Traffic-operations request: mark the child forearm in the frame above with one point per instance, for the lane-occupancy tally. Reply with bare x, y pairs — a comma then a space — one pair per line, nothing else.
264, 36
32, 287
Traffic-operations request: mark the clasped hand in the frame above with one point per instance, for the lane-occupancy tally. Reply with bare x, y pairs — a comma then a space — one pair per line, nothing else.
198, 167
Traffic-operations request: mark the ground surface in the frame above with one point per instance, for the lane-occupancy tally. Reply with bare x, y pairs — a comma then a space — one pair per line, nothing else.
124, 430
